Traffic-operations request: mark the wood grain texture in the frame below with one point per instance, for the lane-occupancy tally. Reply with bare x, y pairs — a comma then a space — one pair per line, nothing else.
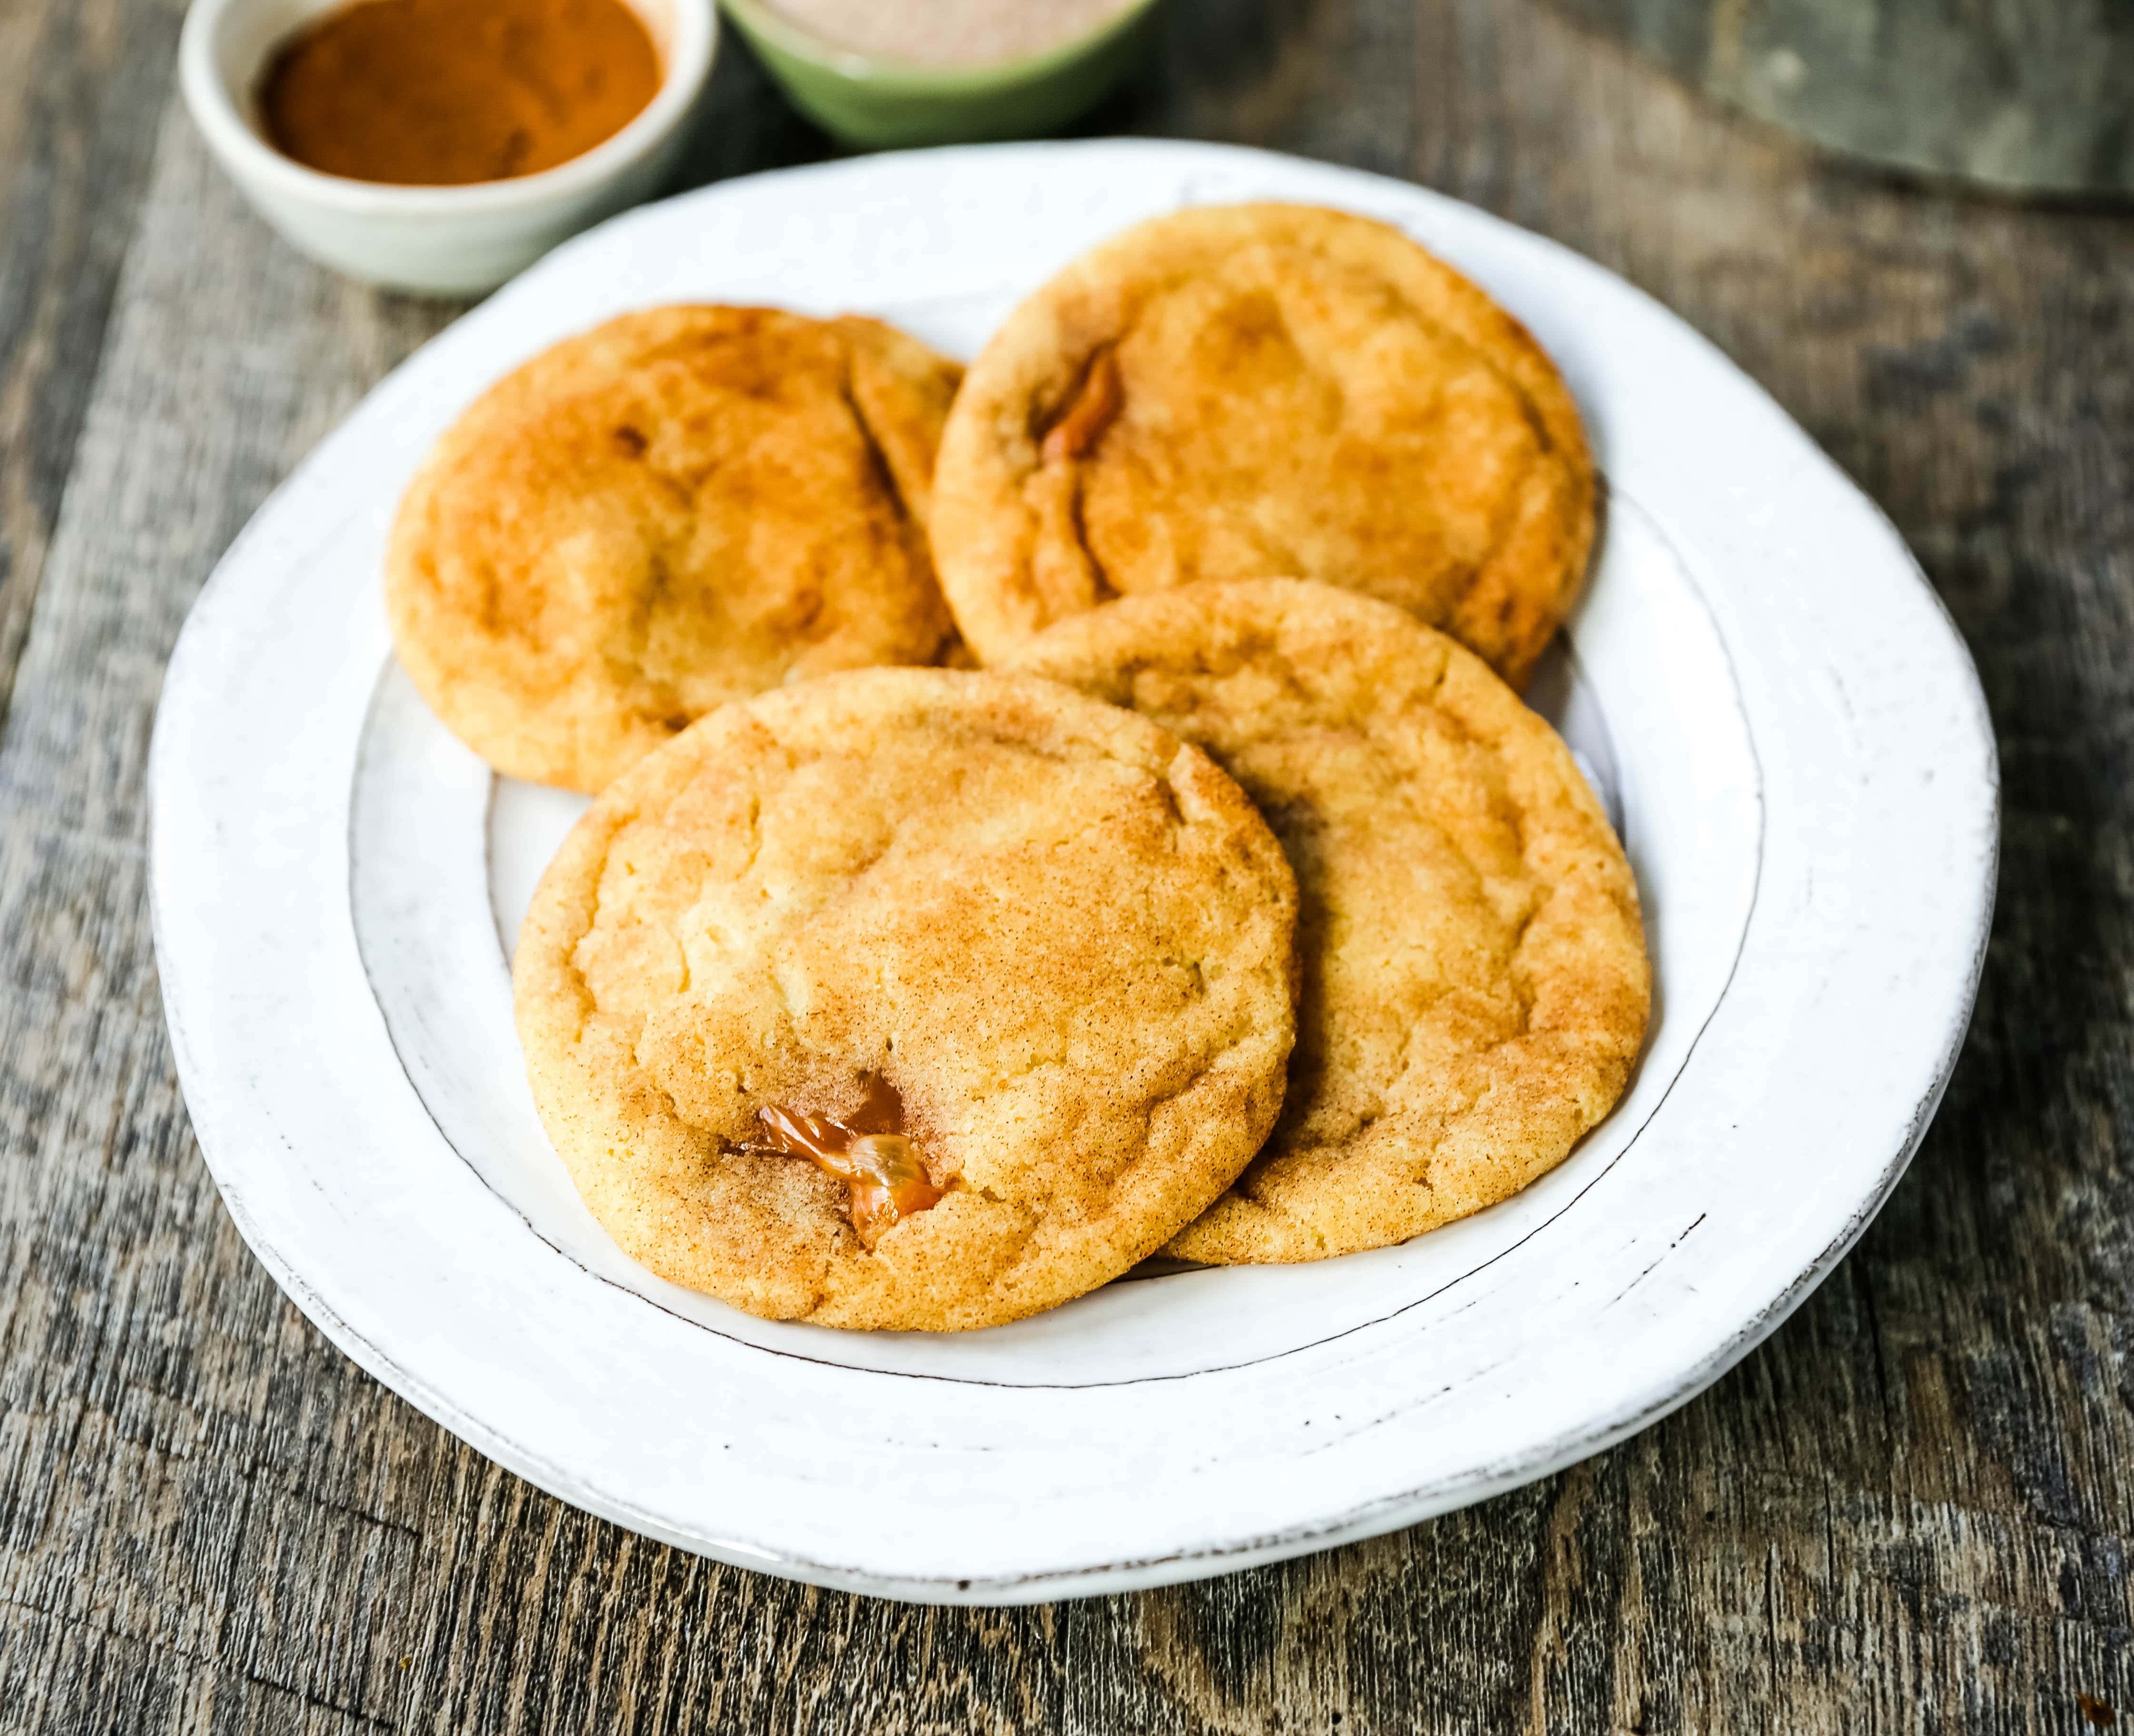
81, 86
1911, 1511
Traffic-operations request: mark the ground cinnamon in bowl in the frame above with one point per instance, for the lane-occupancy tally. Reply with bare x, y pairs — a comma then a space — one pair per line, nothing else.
435, 92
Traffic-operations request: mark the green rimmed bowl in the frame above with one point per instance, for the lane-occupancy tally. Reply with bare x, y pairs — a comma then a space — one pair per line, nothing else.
876, 102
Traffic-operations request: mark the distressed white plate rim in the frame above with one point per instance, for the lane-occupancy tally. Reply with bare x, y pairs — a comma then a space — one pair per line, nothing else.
1768, 690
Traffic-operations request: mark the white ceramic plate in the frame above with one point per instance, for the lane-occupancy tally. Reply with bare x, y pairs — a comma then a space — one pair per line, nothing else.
1770, 697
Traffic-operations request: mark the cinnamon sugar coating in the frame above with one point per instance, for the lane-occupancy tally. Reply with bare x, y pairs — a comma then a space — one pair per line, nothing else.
1062, 935
680, 507
1231, 391
1475, 982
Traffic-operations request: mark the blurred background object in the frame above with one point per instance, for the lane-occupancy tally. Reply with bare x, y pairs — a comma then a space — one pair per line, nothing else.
2023, 97
945, 86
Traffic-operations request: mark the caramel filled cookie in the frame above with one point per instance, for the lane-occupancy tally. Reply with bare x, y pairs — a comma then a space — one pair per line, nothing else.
1475, 984
1233, 391
678, 508
908, 998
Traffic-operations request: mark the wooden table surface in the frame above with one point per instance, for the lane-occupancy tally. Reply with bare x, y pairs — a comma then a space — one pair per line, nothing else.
1911, 1510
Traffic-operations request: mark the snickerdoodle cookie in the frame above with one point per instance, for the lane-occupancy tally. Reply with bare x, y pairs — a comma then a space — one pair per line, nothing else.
680, 507
908, 998
1475, 984
1236, 390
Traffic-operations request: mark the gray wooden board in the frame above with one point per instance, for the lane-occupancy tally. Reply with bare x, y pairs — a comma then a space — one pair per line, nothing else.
1910, 1511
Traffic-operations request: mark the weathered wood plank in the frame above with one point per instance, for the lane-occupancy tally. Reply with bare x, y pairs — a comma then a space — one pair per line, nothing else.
195, 1489
80, 87
547, 1620
1910, 1512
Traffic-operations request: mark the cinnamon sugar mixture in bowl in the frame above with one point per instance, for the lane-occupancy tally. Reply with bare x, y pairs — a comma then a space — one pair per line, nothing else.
949, 32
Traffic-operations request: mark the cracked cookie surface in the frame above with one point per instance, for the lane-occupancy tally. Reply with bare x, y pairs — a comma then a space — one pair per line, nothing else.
680, 507
1475, 982
1062, 938
1232, 391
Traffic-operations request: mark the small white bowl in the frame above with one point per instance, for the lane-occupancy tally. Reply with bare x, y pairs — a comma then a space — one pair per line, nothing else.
436, 240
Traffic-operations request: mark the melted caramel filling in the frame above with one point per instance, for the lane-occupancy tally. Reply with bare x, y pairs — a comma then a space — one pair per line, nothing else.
1095, 406
868, 1152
